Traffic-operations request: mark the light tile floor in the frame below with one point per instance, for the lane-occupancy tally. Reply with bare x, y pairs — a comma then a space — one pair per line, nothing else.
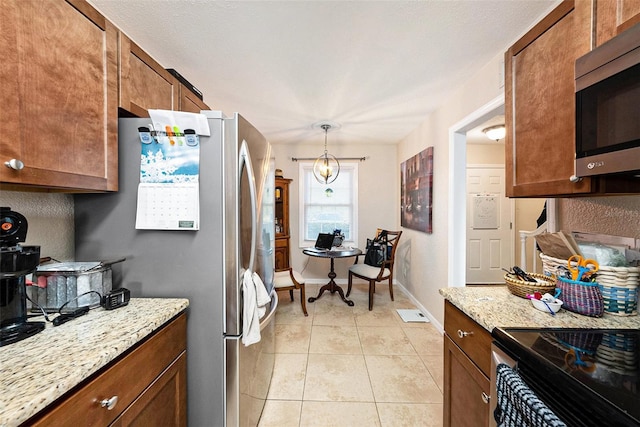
348, 366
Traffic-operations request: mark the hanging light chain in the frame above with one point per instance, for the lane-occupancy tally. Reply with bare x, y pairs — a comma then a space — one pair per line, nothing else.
326, 128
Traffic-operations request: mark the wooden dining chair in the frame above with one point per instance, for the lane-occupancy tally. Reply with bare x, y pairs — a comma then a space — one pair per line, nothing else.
377, 274
288, 280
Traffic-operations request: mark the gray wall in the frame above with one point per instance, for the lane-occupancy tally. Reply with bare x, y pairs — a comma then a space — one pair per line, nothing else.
50, 219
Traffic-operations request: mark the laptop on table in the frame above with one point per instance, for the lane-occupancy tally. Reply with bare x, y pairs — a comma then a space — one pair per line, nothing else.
324, 242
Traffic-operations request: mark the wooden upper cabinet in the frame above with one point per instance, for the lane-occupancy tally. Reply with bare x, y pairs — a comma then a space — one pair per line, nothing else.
540, 104
189, 102
59, 96
144, 83
615, 16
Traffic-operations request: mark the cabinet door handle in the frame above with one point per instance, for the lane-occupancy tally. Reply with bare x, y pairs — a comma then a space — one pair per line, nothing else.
14, 164
463, 334
109, 403
485, 397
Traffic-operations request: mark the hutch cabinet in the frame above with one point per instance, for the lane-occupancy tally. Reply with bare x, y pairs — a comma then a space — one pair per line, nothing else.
282, 252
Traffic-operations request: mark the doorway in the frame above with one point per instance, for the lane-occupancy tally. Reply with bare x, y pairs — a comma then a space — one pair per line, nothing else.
457, 221
457, 232
489, 242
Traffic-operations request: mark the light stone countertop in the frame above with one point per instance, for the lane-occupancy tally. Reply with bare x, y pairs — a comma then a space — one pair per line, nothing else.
493, 306
36, 371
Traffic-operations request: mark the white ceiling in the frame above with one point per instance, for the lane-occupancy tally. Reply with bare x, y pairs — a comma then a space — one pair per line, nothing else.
377, 68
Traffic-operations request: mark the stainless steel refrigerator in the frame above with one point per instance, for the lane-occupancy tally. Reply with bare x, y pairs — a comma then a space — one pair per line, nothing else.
227, 382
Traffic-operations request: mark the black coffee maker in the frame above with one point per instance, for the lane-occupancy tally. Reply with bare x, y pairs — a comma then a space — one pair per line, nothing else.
16, 262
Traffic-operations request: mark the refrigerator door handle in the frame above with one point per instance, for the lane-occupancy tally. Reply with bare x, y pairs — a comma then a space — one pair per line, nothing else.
264, 322
245, 160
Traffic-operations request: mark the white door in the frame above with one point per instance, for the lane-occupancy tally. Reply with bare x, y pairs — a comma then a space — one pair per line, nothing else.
489, 217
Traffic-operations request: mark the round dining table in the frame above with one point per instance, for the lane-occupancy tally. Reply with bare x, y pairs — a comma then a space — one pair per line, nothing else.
333, 253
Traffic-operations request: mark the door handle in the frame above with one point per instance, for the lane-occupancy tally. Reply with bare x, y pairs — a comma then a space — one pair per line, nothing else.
245, 160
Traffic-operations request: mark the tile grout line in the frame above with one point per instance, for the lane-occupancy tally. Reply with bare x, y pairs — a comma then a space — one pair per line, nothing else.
363, 321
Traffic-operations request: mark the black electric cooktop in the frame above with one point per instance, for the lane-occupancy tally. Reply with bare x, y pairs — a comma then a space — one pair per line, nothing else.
595, 371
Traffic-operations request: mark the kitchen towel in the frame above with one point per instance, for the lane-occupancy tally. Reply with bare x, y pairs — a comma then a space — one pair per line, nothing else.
517, 404
255, 300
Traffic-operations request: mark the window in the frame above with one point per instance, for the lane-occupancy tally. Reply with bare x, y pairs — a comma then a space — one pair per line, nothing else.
324, 208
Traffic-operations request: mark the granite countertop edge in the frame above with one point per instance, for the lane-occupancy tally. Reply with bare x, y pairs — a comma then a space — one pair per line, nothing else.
38, 370
494, 306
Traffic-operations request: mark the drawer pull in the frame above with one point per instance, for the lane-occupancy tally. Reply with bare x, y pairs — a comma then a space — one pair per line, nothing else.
14, 164
463, 334
485, 397
109, 403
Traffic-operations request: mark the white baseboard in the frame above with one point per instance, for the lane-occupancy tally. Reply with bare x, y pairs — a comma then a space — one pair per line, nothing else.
422, 309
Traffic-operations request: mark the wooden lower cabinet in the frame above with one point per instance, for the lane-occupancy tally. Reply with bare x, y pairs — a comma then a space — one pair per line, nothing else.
147, 386
466, 390
163, 403
466, 384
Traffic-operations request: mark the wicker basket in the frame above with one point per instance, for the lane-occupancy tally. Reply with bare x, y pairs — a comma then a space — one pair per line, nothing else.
618, 285
521, 288
620, 300
581, 297
550, 265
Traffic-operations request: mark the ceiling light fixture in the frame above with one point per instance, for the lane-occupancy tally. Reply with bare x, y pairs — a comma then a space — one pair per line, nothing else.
326, 167
495, 132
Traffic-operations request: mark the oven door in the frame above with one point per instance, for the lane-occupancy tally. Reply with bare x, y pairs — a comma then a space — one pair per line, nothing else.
520, 403
497, 357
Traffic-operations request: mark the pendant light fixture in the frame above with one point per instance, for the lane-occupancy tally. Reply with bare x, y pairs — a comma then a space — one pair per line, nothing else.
326, 167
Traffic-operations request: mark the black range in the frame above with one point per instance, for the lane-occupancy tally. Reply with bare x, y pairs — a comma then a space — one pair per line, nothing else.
588, 377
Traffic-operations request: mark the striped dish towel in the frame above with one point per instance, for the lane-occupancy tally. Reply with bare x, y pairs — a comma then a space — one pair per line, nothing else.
517, 405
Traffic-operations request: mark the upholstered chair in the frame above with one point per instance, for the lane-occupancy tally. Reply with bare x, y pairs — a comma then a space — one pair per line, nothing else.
377, 274
288, 280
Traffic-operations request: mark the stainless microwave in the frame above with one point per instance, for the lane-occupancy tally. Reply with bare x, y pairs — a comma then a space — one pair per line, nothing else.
608, 107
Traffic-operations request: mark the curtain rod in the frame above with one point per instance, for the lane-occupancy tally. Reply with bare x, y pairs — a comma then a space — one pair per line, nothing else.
362, 159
